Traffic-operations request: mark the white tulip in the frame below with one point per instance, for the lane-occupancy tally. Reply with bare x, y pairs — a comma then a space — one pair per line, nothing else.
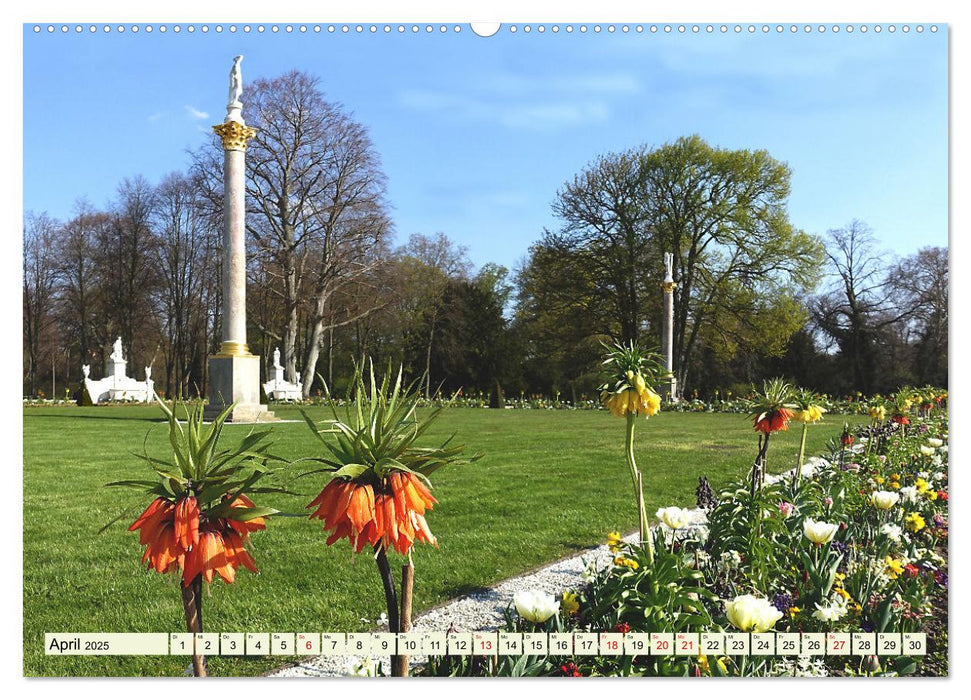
927, 450
535, 606
818, 531
935, 442
884, 500
674, 517
751, 614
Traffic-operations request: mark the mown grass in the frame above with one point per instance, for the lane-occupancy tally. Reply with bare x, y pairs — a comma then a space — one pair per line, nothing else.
550, 483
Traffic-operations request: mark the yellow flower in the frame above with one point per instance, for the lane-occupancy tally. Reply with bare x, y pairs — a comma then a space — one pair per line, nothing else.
895, 477
624, 561
922, 486
895, 567
627, 401
895, 484
570, 604
793, 611
879, 479
706, 668
810, 414
614, 541
842, 592
915, 523
932, 495
877, 412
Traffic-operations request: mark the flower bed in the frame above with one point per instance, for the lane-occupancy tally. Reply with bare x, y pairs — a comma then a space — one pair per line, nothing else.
858, 543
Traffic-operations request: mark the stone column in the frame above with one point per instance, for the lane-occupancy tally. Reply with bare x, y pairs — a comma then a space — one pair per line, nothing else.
234, 373
670, 384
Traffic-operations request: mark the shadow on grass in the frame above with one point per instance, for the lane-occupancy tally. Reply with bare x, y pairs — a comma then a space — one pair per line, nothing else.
85, 417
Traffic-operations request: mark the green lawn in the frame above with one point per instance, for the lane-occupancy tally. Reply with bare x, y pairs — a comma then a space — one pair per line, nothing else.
550, 483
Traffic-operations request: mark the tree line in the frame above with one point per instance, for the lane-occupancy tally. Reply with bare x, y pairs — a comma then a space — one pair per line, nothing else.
754, 295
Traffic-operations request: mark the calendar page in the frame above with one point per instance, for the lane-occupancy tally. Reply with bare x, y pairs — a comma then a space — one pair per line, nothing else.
600, 344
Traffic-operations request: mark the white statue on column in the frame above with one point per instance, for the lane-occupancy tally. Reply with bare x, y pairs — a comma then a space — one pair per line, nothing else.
276, 358
668, 265
234, 106
235, 82
116, 352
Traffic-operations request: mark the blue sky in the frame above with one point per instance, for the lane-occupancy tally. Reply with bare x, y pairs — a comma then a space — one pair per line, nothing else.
477, 134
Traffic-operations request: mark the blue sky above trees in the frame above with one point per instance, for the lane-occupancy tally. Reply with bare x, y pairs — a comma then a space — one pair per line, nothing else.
476, 135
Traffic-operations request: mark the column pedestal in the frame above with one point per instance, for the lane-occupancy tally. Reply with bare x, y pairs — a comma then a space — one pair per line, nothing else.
236, 379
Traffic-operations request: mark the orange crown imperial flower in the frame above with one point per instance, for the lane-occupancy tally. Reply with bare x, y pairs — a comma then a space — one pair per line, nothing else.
392, 515
178, 539
773, 421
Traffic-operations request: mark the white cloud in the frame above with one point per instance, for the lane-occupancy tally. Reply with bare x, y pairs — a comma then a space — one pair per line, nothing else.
155, 117
196, 113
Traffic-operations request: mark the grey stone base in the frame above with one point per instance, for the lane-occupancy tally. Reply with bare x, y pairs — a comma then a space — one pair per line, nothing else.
236, 379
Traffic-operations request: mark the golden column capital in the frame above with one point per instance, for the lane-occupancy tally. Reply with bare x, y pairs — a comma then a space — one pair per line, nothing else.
668, 287
234, 135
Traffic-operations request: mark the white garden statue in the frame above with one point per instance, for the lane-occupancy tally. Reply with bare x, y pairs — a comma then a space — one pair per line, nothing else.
117, 385
278, 388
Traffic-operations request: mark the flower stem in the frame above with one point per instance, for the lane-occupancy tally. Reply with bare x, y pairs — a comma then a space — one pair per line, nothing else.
645, 530
390, 596
192, 607
802, 453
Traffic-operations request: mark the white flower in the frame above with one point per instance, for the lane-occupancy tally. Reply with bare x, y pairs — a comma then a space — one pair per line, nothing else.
935, 442
884, 500
818, 531
751, 614
831, 613
674, 517
927, 450
909, 494
535, 606
892, 531
589, 574
729, 560
360, 667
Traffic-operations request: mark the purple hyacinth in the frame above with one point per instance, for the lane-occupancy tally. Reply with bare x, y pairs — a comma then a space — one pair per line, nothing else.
941, 578
782, 602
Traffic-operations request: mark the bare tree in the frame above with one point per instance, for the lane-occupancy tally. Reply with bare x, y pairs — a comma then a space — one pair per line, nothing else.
920, 283
186, 274
859, 304
127, 270
40, 278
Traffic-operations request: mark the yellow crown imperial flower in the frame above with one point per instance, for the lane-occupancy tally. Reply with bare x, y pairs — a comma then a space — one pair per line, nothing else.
810, 414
